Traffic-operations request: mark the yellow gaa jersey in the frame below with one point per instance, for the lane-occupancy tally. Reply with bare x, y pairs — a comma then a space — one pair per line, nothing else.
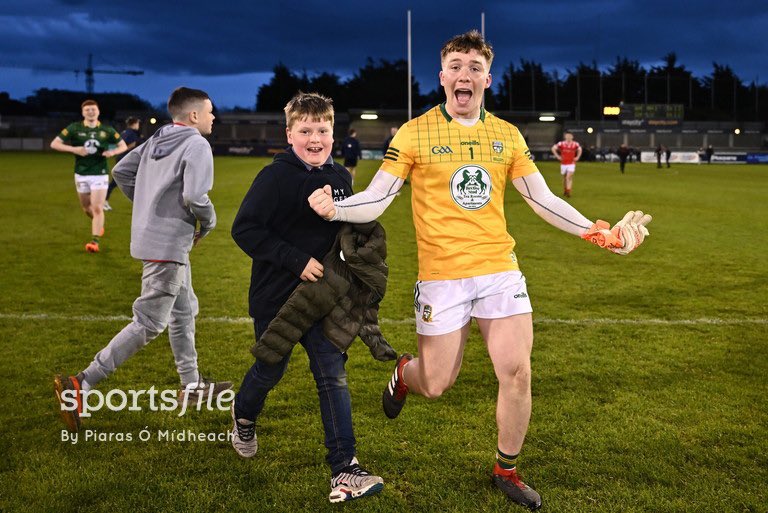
458, 176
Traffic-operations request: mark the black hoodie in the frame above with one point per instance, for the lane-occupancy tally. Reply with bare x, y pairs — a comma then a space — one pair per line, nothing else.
276, 227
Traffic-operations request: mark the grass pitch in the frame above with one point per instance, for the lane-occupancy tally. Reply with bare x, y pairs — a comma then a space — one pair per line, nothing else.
649, 371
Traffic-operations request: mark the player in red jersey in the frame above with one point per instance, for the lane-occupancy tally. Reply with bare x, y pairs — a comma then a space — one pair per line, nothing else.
568, 152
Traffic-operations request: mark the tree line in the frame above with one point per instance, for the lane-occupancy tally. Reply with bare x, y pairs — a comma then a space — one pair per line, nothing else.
527, 86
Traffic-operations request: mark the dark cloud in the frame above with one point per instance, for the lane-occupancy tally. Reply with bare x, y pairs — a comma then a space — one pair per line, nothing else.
196, 38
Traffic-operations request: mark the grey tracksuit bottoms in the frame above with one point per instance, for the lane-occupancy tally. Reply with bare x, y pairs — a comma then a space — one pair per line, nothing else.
167, 300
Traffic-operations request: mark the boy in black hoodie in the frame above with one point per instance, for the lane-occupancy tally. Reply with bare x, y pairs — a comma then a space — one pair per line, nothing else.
286, 240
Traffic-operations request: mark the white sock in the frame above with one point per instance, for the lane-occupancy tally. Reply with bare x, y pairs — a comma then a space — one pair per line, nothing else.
193, 384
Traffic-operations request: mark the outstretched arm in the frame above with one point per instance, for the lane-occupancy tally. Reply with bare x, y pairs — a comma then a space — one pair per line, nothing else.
549, 207
361, 207
623, 238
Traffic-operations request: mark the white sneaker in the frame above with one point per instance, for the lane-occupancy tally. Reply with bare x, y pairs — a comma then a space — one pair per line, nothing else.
353, 482
244, 436
107, 208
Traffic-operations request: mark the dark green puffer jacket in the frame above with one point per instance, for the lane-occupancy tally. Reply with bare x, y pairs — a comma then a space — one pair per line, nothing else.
346, 298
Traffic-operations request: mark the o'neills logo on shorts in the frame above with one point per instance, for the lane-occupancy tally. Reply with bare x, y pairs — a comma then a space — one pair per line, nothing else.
521, 295
426, 316
471, 187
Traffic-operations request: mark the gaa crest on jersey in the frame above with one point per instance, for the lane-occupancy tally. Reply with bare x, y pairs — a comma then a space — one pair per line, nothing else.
471, 187
497, 146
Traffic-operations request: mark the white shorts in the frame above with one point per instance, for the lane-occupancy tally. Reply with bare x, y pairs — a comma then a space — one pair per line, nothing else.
443, 306
87, 183
567, 168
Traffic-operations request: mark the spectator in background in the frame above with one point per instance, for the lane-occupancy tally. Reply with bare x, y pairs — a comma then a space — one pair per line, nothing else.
350, 150
659, 151
387, 142
709, 152
132, 138
623, 152
667, 154
601, 154
392, 132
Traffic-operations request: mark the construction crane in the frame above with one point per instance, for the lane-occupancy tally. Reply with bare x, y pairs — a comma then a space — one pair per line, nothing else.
89, 72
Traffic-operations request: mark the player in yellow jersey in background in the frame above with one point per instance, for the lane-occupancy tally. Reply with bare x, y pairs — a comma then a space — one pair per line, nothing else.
459, 158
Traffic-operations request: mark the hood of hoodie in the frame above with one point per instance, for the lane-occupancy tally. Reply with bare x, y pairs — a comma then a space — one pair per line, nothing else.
168, 138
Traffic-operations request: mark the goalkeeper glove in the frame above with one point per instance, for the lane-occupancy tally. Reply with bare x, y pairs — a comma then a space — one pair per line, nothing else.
624, 237
601, 235
632, 231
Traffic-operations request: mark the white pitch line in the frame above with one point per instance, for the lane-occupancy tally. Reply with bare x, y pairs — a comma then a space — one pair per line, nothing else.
717, 321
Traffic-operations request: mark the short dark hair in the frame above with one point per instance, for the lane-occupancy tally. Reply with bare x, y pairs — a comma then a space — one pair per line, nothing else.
352, 131
87, 103
131, 120
182, 97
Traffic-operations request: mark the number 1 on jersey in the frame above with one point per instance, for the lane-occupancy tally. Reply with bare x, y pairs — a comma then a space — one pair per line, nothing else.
471, 153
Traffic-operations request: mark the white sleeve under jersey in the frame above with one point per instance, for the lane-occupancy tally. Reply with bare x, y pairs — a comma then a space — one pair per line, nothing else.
372, 202
369, 204
549, 207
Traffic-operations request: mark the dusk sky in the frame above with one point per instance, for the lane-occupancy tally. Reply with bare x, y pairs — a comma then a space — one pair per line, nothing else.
229, 47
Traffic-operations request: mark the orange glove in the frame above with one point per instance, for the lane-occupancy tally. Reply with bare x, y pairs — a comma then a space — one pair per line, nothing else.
602, 235
623, 238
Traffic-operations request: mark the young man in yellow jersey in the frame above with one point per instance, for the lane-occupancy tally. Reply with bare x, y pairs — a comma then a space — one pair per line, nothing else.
459, 158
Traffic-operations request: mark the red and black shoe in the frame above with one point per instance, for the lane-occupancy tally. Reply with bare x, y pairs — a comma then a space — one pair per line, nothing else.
514, 488
394, 395
70, 385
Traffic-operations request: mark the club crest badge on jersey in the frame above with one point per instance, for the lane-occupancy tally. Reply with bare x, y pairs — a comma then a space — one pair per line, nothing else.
91, 146
471, 187
497, 146
426, 316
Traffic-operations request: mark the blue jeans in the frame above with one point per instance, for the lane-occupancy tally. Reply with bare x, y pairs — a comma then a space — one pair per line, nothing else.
327, 365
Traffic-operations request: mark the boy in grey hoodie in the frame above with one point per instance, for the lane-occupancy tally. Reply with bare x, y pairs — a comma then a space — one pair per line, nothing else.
168, 179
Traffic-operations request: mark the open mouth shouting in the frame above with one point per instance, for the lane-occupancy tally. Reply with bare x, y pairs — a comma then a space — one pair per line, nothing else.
463, 97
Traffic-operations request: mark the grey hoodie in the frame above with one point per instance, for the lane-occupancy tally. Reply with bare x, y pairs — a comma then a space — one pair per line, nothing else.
168, 179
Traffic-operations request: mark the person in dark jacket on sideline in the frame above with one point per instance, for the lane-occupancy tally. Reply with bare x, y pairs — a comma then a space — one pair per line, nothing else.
350, 150
286, 240
623, 152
